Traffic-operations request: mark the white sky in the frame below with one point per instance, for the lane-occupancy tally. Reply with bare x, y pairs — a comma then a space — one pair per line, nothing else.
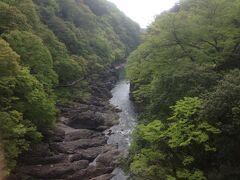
143, 11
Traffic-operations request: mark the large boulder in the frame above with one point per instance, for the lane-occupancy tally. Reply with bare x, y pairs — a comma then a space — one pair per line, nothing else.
110, 158
103, 177
90, 172
86, 120
81, 134
74, 146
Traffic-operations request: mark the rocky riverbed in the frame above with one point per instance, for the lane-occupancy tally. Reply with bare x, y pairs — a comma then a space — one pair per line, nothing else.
77, 146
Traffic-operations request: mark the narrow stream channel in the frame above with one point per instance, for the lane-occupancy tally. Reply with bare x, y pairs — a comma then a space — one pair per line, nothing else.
121, 133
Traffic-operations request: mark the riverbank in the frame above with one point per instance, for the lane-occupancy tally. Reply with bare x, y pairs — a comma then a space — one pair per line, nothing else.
77, 147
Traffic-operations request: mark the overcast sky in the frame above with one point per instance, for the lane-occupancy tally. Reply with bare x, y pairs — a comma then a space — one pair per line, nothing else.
143, 11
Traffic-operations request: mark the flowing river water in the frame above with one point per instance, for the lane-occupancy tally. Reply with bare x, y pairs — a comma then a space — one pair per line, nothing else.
121, 133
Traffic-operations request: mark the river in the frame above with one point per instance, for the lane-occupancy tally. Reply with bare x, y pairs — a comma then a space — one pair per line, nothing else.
121, 133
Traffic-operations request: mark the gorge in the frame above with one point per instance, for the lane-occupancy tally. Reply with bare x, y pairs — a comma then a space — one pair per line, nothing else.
56, 74
66, 103
80, 146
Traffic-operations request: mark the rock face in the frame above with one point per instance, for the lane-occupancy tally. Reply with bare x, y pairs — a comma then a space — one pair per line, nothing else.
77, 147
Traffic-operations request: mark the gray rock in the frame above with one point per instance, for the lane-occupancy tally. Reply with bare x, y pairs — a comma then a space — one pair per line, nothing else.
81, 134
79, 165
110, 158
86, 120
55, 171
90, 172
72, 146
103, 177
46, 160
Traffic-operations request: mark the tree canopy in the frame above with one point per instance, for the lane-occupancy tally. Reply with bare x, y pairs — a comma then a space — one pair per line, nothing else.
186, 75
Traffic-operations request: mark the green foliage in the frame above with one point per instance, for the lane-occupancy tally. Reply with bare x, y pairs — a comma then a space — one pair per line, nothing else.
84, 33
127, 31
9, 69
57, 49
180, 50
18, 130
27, 8
8, 60
23, 92
182, 131
14, 133
167, 149
70, 70
222, 103
190, 51
66, 35
33, 55
222, 108
11, 18
33, 101
185, 109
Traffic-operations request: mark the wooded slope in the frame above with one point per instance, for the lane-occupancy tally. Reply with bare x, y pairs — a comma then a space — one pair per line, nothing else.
48, 44
185, 80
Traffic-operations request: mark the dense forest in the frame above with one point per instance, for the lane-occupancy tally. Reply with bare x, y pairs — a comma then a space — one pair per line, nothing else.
46, 47
185, 81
